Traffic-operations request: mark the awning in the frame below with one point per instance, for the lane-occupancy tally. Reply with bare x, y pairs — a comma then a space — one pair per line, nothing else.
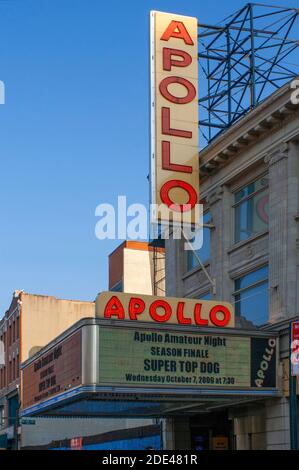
96, 402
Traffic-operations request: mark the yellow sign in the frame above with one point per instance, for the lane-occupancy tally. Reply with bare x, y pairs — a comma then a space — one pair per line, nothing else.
174, 117
162, 310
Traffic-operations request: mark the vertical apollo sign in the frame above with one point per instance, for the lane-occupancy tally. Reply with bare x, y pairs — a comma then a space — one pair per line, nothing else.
174, 117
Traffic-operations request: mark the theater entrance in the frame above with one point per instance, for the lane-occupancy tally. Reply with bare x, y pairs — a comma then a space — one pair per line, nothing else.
212, 431
205, 431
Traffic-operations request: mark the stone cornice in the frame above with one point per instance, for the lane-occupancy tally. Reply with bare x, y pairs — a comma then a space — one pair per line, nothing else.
273, 113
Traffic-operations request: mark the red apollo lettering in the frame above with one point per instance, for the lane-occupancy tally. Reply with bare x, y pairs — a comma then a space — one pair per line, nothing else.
167, 130
168, 61
167, 165
177, 30
180, 314
197, 318
191, 91
158, 317
114, 307
172, 184
136, 307
162, 310
214, 315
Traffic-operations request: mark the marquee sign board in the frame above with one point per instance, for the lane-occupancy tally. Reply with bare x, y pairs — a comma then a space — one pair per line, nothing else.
162, 359
124, 361
174, 116
54, 372
164, 310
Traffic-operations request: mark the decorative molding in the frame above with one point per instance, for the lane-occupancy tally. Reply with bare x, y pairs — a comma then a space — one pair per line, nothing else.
241, 269
251, 240
215, 195
278, 153
249, 251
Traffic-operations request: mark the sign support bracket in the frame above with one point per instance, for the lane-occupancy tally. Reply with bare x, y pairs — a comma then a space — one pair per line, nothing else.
211, 280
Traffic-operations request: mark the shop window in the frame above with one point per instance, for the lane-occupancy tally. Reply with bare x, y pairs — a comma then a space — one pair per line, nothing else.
251, 209
252, 295
204, 252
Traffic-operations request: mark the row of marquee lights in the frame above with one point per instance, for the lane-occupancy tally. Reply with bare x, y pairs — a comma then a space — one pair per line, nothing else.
174, 77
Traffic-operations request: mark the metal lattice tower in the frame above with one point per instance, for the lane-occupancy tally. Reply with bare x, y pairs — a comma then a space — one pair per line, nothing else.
242, 61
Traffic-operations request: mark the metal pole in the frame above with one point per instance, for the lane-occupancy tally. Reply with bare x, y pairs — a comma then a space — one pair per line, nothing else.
292, 400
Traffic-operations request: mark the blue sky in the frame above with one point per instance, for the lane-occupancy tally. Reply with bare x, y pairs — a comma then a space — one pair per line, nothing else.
74, 133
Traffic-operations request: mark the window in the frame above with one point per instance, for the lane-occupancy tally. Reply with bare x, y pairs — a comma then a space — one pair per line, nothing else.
13, 408
18, 327
206, 296
18, 367
118, 287
10, 372
251, 209
251, 296
204, 252
1, 416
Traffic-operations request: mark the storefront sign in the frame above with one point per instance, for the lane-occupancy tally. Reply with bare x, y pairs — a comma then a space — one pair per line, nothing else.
295, 348
56, 371
154, 358
147, 308
174, 115
28, 422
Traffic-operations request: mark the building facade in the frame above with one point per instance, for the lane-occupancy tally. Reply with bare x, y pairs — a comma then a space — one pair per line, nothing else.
29, 324
136, 266
249, 177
